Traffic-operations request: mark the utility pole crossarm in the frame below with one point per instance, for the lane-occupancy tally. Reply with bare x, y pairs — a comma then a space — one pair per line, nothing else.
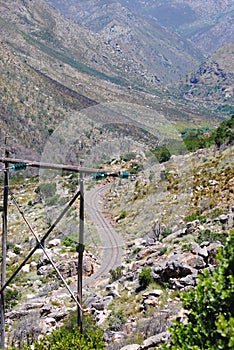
42, 165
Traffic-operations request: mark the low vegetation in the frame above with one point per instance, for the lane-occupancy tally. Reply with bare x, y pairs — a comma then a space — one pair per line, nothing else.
69, 337
210, 321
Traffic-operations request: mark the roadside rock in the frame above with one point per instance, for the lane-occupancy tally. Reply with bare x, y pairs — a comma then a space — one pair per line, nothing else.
154, 341
131, 347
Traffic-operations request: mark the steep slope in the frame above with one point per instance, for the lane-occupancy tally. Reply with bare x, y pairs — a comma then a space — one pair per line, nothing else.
45, 77
39, 27
166, 55
209, 24
212, 84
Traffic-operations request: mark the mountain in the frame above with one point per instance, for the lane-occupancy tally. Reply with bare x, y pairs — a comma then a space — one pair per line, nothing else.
52, 67
207, 24
212, 84
164, 54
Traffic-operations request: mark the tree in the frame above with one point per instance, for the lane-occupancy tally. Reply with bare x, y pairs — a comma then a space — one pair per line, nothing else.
210, 323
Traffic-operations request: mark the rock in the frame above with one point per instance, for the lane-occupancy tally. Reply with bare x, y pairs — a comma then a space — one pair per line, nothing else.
189, 280
26, 268
50, 321
99, 306
155, 293
203, 252
200, 263
154, 340
195, 248
44, 270
59, 315
174, 235
204, 244
46, 309
68, 268
223, 218
131, 347
44, 260
114, 294
54, 242
17, 314
212, 250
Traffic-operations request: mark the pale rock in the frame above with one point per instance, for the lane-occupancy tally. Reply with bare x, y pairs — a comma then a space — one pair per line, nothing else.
54, 242
26, 268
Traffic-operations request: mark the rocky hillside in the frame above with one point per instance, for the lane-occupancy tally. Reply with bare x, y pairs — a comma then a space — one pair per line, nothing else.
212, 85
209, 24
163, 53
48, 74
172, 220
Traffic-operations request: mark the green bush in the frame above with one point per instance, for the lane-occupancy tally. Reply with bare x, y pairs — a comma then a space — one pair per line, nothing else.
116, 274
47, 189
161, 153
68, 337
145, 277
210, 323
225, 132
11, 298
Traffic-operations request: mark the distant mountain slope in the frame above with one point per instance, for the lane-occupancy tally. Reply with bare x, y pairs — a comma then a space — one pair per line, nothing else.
50, 68
163, 53
208, 24
213, 83
36, 26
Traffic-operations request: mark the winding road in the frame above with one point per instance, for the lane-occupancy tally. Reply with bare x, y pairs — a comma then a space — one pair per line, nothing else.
112, 242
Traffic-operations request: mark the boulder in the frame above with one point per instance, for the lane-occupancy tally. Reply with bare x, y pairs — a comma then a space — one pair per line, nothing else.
54, 242
46, 309
223, 219
200, 263
131, 347
154, 340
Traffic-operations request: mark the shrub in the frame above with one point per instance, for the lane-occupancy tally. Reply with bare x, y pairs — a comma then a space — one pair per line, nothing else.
225, 132
11, 298
210, 323
116, 274
47, 189
161, 153
68, 337
145, 277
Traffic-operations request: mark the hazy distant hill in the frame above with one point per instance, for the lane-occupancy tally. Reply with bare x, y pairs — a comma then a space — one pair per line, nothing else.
164, 54
213, 83
208, 24
51, 67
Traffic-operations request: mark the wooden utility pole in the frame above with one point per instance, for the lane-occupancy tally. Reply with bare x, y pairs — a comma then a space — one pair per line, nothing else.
80, 255
4, 250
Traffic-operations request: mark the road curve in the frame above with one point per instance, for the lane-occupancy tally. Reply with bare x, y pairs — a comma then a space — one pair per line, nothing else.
111, 241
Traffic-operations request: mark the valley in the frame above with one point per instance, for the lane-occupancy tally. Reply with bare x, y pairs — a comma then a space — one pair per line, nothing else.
144, 91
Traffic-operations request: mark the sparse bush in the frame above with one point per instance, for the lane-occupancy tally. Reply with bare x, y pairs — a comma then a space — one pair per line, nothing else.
69, 337
161, 153
11, 297
145, 277
166, 232
196, 216
116, 274
122, 215
116, 320
47, 189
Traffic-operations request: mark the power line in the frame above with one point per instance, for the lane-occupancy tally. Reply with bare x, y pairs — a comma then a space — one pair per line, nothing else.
44, 250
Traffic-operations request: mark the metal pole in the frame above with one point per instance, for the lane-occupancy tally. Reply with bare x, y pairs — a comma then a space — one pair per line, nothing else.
4, 251
80, 254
